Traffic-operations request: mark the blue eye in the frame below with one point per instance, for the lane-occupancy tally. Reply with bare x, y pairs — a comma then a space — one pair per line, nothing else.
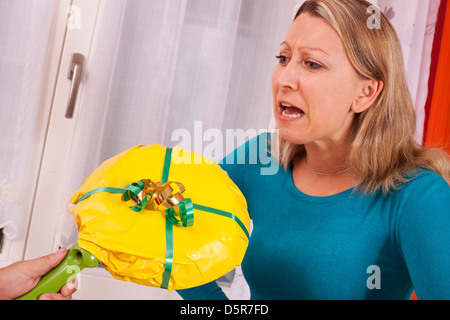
282, 59
313, 65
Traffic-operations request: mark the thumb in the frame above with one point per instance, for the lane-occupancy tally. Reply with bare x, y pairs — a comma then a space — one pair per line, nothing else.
42, 265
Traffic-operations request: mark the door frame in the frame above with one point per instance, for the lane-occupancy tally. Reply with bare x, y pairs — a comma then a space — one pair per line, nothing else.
46, 211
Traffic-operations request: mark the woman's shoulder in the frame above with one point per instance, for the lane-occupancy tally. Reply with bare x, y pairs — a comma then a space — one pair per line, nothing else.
251, 161
253, 151
423, 178
425, 186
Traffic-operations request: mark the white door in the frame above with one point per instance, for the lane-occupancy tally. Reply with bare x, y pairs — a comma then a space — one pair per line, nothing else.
150, 67
51, 195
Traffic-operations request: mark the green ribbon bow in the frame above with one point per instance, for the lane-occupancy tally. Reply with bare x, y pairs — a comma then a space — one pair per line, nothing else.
164, 196
167, 197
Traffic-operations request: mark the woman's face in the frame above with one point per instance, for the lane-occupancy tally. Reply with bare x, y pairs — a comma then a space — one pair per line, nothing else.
314, 85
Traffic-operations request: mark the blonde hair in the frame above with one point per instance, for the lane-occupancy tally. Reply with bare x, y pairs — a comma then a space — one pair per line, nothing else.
382, 149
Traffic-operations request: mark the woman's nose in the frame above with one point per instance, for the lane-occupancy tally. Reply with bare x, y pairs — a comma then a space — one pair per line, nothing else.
288, 77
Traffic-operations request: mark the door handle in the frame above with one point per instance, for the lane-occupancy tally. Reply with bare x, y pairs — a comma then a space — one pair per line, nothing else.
75, 72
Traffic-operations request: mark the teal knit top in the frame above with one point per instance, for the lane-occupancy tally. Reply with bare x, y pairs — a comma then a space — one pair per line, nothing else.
345, 246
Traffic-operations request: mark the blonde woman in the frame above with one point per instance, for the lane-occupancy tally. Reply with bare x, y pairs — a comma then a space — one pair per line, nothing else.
358, 210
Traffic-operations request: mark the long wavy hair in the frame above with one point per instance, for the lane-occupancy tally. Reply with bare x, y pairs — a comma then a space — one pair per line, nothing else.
382, 152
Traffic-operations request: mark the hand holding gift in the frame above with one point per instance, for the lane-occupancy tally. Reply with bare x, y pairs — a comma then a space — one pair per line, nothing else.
154, 220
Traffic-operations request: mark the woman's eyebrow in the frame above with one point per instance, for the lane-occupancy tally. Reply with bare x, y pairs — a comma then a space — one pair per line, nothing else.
307, 48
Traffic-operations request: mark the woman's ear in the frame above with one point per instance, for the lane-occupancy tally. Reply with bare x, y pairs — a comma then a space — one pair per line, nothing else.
368, 94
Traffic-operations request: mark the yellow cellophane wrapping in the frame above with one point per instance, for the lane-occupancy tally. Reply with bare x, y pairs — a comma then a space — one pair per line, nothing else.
132, 245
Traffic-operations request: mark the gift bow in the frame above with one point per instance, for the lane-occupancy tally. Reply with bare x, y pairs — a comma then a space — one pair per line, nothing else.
167, 197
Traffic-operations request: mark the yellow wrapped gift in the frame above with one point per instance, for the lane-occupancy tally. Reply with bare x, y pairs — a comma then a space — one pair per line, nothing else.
162, 217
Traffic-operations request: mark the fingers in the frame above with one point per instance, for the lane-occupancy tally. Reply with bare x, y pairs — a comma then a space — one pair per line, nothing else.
42, 265
65, 294
70, 288
54, 296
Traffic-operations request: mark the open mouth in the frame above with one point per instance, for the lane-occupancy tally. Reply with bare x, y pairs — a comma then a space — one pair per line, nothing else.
290, 112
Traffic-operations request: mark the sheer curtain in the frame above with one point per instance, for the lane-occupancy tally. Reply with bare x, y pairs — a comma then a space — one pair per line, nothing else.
415, 21
25, 32
159, 66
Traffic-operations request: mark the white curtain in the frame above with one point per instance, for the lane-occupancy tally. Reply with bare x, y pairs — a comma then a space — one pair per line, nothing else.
415, 21
160, 66
25, 30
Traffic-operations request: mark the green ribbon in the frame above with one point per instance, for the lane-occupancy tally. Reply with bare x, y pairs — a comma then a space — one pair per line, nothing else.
179, 214
169, 227
224, 214
131, 192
